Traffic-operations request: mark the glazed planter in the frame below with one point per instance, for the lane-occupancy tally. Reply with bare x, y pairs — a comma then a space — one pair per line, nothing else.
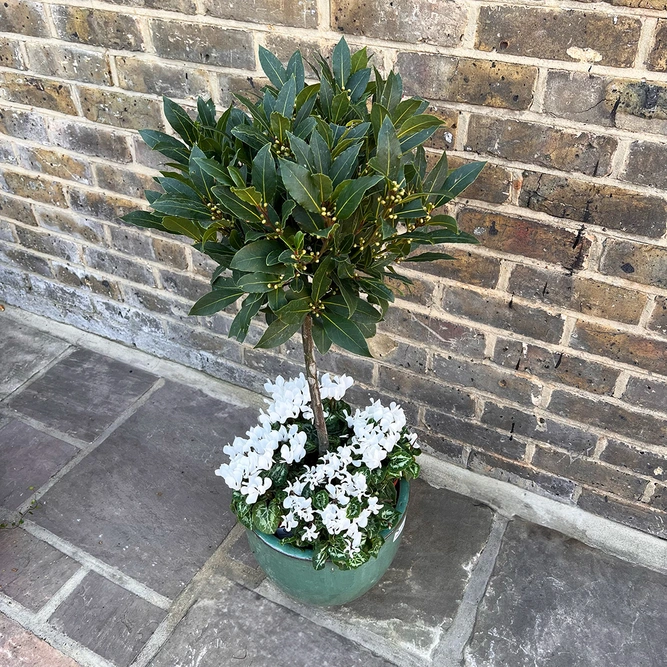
291, 568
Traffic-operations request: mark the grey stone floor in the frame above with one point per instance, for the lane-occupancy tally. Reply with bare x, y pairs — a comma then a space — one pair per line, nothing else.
132, 558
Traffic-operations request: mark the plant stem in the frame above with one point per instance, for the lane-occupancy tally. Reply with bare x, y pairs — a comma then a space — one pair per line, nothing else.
313, 384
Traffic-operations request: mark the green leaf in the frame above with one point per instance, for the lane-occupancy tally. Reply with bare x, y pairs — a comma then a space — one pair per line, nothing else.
251, 135
359, 60
301, 150
417, 139
320, 555
272, 67
215, 301
404, 110
417, 124
178, 118
295, 68
255, 111
321, 155
457, 181
376, 288
357, 83
251, 305
300, 185
378, 114
206, 112
257, 283
266, 518
183, 226
344, 165
252, 257
428, 257
320, 338
182, 207
341, 62
344, 333
144, 219
436, 177
340, 105
215, 169
277, 333
322, 279
392, 91
351, 195
286, 99
264, 173
295, 311
280, 125
349, 294
235, 206
201, 179
166, 144
444, 221
323, 186
248, 195
388, 157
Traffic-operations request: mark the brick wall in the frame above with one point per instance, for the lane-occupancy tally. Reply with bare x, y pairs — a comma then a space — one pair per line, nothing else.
540, 357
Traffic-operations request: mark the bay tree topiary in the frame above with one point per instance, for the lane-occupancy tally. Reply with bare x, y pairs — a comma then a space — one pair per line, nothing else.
307, 199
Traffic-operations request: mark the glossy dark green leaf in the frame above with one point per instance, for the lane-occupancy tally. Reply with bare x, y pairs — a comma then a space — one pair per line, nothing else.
214, 169
392, 91
251, 305
252, 257
300, 186
320, 338
388, 157
182, 124
357, 83
341, 63
277, 333
323, 186
378, 114
182, 207
206, 112
457, 181
201, 179
340, 105
144, 219
436, 177
251, 135
272, 67
344, 333
359, 60
257, 283
301, 150
264, 173
286, 98
376, 288
417, 139
404, 110
320, 154
295, 311
428, 257
183, 226
345, 164
235, 206
296, 69
417, 123
255, 111
280, 125
215, 301
351, 195
322, 279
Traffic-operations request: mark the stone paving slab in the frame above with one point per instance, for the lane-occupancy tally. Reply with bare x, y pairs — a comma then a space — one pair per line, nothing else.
31, 571
24, 351
82, 394
107, 619
235, 626
554, 602
147, 500
28, 458
20, 648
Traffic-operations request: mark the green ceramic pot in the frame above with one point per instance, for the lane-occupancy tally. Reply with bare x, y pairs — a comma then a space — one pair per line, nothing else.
291, 568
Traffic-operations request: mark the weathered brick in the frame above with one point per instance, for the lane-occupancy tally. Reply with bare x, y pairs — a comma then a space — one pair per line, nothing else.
283, 46
123, 180
579, 96
657, 59
77, 276
155, 78
419, 291
648, 392
24, 17
632, 349
440, 445
10, 53
483, 82
113, 30
503, 313
119, 266
48, 244
7, 231
484, 377
589, 472
72, 225
434, 331
659, 498
425, 390
204, 341
170, 253
97, 205
609, 416
638, 99
229, 85
402, 22
639, 262
658, 321
7, 155
549, 33
403, 355
152, 300
131, 241
23, 125
555, 366
445, 136
16, 209
467, 267
187, 7
37, 92
200, 43
576, 293
16, 256
646, 164
635, 515
641, 461
492, 185
539, 427
55, 163
296, 14
69, 62
641, 4
113, 107
90, 140
476, 435
184, 285
585, 152
528, 238
594, 204
521, 475
32, 187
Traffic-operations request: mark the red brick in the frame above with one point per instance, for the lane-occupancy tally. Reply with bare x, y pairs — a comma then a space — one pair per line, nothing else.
524, 237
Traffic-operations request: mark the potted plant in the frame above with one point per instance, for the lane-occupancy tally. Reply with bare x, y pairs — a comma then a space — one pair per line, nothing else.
307, 199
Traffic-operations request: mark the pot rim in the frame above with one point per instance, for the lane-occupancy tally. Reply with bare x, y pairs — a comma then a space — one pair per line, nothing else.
301, 553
